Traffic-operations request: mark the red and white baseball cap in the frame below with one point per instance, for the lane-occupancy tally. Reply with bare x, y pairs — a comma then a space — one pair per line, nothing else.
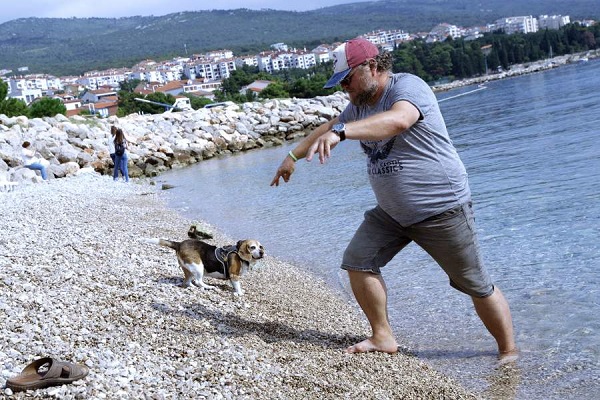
349, 55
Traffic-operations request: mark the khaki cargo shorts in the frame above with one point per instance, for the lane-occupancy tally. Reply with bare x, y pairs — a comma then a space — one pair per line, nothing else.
449, 238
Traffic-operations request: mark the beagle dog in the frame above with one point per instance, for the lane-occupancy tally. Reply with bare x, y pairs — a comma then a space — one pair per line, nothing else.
197, 259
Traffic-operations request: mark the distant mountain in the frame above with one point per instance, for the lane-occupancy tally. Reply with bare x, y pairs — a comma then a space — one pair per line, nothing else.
62, 46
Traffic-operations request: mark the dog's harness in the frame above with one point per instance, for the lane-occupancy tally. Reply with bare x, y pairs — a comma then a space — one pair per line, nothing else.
222, 255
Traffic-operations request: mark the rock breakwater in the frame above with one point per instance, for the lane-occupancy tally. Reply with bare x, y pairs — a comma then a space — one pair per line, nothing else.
160, 141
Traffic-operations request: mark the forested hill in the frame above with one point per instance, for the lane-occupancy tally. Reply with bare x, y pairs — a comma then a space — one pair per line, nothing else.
64, 46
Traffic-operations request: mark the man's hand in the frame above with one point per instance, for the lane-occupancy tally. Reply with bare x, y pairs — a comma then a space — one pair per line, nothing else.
323, 145
285, 170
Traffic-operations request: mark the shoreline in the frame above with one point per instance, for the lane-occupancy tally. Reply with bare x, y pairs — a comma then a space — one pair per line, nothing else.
520, 69
79, 284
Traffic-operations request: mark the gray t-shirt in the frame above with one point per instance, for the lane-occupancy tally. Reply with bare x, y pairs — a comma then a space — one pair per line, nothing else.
417, 173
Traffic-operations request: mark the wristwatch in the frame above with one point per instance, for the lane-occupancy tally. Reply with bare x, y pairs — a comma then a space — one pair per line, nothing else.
340, 130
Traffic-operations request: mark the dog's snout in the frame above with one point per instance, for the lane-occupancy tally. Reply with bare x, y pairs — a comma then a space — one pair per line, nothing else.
258, 252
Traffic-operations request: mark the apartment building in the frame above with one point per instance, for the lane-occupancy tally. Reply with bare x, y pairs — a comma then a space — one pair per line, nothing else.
323, 53
41, 82
30, 87
275, 61
442, 31
147, 76
218, 54
251, 60
96, 79
263, 61
303, 60
209, 69
25, 95
382, 37
522, 24
553, 21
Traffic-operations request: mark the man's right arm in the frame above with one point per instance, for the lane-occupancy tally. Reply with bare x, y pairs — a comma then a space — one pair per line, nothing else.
287, 167
302, 148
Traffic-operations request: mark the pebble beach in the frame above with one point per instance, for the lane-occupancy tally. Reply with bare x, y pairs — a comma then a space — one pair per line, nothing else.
79, 283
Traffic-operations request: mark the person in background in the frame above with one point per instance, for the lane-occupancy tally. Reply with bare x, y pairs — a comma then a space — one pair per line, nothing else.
121, 158
111, 146
420, 184
111, 143
33, 162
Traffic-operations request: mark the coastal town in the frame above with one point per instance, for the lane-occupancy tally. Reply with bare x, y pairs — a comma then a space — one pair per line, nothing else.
96, 92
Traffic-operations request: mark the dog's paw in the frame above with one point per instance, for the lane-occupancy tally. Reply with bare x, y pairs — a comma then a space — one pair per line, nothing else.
204, 286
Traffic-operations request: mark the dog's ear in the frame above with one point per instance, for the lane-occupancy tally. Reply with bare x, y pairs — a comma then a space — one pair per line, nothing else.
239, 244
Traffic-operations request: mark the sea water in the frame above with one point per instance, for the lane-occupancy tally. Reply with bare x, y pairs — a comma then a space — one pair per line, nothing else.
531, 146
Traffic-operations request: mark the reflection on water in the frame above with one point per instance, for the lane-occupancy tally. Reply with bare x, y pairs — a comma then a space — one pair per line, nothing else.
530, 145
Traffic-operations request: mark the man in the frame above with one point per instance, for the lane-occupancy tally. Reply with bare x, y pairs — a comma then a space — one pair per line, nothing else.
420, 185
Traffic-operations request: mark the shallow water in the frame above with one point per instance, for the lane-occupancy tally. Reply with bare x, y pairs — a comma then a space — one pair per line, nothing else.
530, 145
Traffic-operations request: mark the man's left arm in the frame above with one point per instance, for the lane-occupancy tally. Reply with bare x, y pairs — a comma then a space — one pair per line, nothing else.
384, 125
401, 116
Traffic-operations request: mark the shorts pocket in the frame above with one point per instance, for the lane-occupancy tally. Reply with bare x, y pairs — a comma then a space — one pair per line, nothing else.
451, 213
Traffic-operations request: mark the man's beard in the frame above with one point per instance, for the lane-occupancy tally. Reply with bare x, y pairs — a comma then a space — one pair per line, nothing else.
364, 97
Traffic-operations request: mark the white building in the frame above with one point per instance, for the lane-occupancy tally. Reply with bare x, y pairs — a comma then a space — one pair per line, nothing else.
277, 61
26, 95
323, 53
148, 76
303, 60
30, 87
263, 61
95, 79
280, 47
211, 70
523, 24
169, 71
41, 82
384, 37
553, 21
441, 32
251, 60
218, 54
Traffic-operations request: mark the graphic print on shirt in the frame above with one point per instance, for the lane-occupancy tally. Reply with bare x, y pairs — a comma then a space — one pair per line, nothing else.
378, 158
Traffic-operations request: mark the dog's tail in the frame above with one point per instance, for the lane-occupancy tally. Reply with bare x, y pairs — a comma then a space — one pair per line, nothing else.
164, 243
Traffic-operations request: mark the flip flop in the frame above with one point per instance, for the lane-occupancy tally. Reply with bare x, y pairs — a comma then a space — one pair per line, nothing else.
46, 372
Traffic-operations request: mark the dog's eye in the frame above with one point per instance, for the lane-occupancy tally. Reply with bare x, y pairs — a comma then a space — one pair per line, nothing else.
252, 247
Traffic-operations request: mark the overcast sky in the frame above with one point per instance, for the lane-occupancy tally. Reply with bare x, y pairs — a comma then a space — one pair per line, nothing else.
14, 9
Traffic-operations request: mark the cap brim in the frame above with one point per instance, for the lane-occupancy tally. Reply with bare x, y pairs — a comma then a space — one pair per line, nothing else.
336, 78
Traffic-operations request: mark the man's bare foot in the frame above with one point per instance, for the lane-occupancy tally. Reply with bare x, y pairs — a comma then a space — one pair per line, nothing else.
507, 357
385, 346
